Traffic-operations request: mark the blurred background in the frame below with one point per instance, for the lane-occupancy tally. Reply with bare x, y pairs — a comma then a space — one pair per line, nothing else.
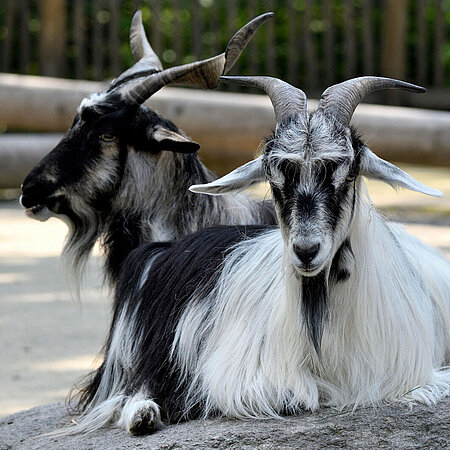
311, 44
55, 52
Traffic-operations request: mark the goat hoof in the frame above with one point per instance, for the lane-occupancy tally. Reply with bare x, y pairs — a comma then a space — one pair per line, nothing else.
144, 422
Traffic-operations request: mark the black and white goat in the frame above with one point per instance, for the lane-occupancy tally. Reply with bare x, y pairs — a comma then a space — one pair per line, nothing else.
121, 173
337, 307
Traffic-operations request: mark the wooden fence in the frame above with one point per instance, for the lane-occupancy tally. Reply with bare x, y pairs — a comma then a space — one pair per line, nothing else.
310, 43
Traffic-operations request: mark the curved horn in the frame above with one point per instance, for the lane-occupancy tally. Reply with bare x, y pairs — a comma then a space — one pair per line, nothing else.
287, 100
241, 38
147, 60
140, 47
203, 74
342, 99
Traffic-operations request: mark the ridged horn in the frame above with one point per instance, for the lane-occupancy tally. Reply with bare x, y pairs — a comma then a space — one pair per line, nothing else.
203, 74
140, 47
241, 38
287, 100
147, 60
341, 100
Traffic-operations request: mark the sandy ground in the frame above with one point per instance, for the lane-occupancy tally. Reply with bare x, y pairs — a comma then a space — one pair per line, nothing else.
48, 340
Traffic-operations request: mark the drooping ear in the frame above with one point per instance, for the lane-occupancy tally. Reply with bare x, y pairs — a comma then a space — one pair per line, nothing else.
165, 139
378, 169
236, 181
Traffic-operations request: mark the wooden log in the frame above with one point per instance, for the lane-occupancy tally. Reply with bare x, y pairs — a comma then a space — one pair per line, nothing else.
229, 126
41, 103
19, 153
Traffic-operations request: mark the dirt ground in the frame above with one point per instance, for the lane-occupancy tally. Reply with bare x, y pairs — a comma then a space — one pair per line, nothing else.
48, 340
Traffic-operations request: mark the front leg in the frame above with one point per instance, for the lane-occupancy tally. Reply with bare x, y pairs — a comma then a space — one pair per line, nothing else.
140, 415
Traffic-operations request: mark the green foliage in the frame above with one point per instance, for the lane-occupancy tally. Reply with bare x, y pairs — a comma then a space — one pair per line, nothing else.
182, 31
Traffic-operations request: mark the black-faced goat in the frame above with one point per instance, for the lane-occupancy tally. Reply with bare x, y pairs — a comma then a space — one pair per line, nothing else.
337, 307
121, 173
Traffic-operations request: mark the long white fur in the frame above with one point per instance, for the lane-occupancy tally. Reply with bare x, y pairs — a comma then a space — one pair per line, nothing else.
244, 351
386, 337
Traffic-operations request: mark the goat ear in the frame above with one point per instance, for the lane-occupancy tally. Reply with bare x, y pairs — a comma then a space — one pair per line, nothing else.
172, 141
236, 181
378, 169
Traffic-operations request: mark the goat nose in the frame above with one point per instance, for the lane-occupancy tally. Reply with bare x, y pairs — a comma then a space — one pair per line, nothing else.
306, 253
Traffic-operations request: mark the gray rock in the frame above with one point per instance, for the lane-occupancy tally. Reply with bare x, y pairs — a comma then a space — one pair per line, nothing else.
387, 426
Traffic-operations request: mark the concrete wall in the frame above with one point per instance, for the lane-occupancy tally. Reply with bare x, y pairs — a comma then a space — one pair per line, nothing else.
228, 126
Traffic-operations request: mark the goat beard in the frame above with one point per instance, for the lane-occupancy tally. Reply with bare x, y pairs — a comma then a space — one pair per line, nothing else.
314, 306
80, 240
315, 292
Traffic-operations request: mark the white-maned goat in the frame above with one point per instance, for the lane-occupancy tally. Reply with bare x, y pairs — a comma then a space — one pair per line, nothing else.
336, 307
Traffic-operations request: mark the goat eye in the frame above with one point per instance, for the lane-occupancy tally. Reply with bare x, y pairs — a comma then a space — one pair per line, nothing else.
107, 137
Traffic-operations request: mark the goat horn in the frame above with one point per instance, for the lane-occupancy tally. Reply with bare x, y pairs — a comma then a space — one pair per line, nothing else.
140, 47
241, 38
287, 100
341, 100
147, 60
203, 74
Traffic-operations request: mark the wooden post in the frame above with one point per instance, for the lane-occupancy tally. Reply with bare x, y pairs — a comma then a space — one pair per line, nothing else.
97, 41
393, 42
293, 44
349, 39
114, 38
439, 42
270, 43
177, 38
394, 38
156, 38
52, 44
329, 43
368, 38
196, 32
9, 8
79, 38
310, 51
421, 48
24, 49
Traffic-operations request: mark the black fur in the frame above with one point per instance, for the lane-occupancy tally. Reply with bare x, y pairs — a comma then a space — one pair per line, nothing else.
342, 263
180, 269
315, 306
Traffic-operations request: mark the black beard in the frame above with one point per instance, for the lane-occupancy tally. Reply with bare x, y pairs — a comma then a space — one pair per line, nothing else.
315, 306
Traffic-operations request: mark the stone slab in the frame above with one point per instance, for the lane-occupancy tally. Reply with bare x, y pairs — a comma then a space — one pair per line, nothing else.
388, 426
